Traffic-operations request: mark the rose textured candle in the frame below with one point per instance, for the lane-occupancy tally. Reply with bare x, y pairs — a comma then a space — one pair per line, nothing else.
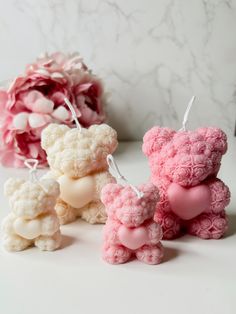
184, 166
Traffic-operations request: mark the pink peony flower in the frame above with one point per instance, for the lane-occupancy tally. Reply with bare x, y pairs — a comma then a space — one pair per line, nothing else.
37, 98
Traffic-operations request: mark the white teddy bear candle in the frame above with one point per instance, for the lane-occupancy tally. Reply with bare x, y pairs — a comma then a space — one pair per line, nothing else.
33, 220
77, 159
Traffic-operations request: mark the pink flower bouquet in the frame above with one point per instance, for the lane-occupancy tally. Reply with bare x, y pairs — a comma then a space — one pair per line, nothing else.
37, 98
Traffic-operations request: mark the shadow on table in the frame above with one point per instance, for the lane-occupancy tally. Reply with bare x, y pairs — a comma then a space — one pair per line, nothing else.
170, 253
67, 241
232, 225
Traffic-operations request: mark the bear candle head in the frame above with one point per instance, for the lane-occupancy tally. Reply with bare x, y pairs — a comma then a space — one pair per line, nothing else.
184, 157
78, 153
29, 199
122, 203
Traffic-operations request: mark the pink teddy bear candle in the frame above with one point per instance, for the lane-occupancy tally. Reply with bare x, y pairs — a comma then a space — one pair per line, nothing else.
130, 228
184, 166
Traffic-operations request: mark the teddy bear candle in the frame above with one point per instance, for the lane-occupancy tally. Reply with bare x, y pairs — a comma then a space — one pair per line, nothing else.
33, 219
184, 166
77, 159
130, 228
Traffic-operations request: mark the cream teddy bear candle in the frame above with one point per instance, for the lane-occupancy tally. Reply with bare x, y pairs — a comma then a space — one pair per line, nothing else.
184, 166
33, 220
77, 159
130, 229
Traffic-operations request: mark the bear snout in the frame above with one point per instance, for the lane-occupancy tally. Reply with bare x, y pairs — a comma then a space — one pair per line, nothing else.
188, 170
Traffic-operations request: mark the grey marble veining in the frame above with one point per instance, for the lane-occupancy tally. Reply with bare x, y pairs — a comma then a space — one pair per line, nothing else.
152, 55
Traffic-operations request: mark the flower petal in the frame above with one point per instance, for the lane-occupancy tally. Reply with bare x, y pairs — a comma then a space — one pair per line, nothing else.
3, 100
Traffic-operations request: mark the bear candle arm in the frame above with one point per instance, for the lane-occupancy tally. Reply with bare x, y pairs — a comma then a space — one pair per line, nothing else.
111, 229
102, 178
154, 232
163, 204
220, 195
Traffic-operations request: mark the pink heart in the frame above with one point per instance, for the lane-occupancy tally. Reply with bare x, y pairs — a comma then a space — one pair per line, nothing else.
188, 203
132, 238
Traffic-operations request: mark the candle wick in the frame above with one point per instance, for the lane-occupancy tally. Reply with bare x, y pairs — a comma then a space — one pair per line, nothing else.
113, 166
32, 164
69, 104
185, 119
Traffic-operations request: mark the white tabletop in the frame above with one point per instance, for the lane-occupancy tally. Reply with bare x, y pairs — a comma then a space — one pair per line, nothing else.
197, 276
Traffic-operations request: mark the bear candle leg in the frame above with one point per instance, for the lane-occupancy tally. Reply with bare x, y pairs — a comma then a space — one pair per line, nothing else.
94, 213
208, 225
65, 212
116, 254
170, 223
15, 243
49, 243
150, 254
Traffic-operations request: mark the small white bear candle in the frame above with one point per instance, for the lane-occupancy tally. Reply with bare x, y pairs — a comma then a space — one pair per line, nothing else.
33, 220
130, 228
77, 160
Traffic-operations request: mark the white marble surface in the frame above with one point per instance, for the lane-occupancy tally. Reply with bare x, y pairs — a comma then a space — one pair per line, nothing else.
153, 55
197, 276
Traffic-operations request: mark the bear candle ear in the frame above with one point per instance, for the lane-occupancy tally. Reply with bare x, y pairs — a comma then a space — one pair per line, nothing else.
106, 136
150, 191
52, 133
109, 192
51, 186
11, 185
216, 137
155, 139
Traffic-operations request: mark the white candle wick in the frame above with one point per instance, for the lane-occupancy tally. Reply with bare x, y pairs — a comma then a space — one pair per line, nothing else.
113, 166
185, 119
69, 104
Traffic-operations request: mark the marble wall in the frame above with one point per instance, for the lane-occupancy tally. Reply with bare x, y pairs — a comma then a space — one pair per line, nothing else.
153, 55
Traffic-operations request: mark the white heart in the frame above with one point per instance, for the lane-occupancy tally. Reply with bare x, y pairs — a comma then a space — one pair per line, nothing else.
60, 113
77, 192
36, 120
20, 120
57, 75
43, 105
28, 229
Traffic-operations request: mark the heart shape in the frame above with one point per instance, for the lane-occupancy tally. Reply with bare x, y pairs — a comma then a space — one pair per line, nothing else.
28, 229
77, 192
188, 203
132, 238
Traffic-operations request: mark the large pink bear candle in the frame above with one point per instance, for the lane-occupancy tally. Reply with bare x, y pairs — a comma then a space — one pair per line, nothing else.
184, 166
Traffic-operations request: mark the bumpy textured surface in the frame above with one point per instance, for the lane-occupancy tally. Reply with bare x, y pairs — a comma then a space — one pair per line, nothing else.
33, 220
126, 212
76, 155
188, 158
